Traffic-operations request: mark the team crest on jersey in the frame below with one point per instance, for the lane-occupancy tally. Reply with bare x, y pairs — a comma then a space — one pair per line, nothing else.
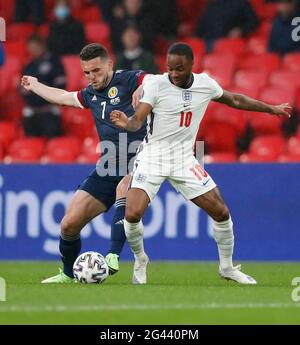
112, 92
140, 178
187, 95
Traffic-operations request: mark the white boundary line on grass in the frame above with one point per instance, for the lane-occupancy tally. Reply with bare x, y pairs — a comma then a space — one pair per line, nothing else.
119, 307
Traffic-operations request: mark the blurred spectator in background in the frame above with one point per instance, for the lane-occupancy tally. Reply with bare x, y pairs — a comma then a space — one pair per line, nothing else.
132, 12
30, 10
66, 34
134, 56
281, 40
1, 54
41, 118
226, 18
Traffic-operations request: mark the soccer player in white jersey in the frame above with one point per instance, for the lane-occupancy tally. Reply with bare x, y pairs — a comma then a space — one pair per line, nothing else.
176, 102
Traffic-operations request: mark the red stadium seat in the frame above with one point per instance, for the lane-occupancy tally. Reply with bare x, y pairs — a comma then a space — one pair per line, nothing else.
7, 10
234, 117
98, 32
285, 79
15, 48
7, 133
267, 62
1, 152
235, 46
250, 92
292, 62
73, 71
293, 145
262, 123
90, 151
213, 64
267, 147
198, 47
220, 157
77, 122
289, 158
257, 45
28, 149
219, 137
264, 10
90, 14
19, 31
257, 158
250, 79
277, 95
62, 150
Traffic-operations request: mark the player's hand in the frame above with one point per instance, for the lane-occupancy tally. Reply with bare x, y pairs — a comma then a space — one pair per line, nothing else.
136, 96
119, 119
28, 82
282, 109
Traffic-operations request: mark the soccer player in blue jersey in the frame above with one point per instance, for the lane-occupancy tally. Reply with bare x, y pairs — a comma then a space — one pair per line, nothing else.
107, 91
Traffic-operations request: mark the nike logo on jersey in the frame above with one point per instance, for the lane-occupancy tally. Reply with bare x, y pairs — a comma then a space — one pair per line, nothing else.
206, 182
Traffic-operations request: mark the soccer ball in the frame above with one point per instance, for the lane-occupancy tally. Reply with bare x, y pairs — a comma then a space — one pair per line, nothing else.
90, 267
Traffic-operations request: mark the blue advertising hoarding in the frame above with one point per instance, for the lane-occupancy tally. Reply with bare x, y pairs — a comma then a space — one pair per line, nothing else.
263, 200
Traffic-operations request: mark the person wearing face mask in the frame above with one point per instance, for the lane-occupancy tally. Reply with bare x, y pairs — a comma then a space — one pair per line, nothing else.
66, 35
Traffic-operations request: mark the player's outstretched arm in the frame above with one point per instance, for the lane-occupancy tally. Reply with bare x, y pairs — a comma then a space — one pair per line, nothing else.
243, 102
134, 122
50, 94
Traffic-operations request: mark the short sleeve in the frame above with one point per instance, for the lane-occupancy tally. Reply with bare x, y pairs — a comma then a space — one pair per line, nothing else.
216, 89
132, 79
150, 90
81, 98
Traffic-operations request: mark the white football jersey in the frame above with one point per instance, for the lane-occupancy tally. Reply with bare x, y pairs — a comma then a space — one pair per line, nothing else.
174, 121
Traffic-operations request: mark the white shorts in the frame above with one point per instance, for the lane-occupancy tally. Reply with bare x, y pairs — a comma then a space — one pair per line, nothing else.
194, 180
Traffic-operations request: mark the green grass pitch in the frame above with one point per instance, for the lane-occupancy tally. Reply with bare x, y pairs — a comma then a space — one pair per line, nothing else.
177, 293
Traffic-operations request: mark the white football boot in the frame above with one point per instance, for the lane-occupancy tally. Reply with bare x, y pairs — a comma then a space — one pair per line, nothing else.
234, 273
140, 270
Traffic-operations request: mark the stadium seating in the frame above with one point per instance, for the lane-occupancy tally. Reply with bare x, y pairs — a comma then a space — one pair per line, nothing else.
19, 31
219, 138
1, 152
77, 122
285, 79
98, 32
250, 79
264, 149
73, 71
62, 150
292, 62
90, 151
277, 95
7, 133
262, 123
266, 62
220, 157
256, 45
235, 46
23, 150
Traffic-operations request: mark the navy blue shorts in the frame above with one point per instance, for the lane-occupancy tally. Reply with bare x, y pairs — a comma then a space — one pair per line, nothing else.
102, 188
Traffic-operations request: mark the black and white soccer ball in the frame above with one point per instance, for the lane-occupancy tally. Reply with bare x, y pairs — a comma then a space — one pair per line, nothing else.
90, 267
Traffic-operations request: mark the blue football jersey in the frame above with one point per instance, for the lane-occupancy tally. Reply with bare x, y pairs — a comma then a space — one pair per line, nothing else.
116, 96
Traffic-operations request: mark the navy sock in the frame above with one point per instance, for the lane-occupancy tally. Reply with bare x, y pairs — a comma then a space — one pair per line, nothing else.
69, 248
118, 237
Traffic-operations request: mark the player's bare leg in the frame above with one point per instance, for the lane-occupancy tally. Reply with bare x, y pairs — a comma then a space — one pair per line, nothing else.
137, 201
213, 203
118, 237
83, 208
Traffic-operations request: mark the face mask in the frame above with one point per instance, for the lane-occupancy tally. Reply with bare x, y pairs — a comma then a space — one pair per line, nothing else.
61, 12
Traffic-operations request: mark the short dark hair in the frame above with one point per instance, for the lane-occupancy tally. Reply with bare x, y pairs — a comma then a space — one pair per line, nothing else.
182, 49
36, 38
92, 51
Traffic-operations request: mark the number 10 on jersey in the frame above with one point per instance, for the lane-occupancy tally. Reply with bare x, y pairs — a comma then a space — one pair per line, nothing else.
185, 119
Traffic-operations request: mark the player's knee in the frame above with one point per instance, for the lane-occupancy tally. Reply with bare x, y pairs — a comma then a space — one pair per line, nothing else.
69, 226
221, 214
133, 215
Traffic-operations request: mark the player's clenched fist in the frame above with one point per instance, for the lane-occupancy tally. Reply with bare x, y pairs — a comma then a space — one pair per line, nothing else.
28, 82
119, 119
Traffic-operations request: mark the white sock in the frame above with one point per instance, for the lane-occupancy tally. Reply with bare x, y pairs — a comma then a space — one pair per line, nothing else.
134, 233
223, 234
